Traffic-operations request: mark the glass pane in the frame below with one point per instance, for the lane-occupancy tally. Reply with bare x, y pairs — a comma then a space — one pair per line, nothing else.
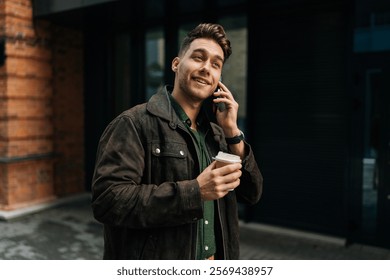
183, 30
227, 3
371, 146
154, 9
154, 76
186, 6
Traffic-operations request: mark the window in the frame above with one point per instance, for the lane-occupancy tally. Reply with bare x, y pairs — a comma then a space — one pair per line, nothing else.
154, 70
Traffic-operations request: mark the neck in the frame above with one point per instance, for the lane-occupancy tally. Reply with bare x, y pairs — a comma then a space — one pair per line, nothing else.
190, 107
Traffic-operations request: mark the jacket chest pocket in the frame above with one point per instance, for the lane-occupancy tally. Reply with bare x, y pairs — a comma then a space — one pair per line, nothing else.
170, 162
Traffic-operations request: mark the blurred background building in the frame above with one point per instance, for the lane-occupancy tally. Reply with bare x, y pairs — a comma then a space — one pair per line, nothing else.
312, 78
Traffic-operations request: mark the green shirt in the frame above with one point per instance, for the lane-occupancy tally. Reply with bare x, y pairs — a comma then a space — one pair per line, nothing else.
206, 245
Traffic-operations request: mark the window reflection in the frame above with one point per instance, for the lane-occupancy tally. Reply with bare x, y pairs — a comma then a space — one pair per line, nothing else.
183, 30
154, 71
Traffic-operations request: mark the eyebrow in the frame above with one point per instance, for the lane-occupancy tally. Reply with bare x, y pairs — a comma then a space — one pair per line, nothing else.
203, 50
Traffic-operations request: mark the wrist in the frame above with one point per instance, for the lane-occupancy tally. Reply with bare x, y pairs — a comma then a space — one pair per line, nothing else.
229, 133
236, 139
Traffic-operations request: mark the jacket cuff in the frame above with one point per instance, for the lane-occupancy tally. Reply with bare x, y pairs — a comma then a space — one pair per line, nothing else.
191, 199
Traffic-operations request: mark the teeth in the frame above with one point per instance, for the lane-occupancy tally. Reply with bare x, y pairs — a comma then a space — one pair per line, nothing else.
201, 81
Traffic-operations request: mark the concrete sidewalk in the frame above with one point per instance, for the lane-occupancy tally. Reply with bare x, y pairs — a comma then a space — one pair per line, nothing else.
69, 232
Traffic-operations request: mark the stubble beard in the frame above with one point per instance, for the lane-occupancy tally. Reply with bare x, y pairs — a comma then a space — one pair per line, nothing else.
195, 95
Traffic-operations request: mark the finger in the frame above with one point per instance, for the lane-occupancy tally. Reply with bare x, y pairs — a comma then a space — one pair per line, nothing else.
231, 178
227, 99
232, 186
221, 94
228, 181
210, 168
223, 189
222, 86
227, 169
224, 91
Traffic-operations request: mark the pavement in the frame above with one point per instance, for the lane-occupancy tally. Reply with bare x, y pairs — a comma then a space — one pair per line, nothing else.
68, 231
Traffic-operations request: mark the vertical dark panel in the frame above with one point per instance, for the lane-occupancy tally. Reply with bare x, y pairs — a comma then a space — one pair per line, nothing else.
171, 27
137, 65
97, 101
298, 109
384, 159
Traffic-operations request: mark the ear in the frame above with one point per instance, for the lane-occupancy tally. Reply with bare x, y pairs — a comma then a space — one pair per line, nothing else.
175, 63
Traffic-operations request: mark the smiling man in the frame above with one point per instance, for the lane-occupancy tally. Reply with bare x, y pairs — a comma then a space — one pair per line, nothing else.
156, 188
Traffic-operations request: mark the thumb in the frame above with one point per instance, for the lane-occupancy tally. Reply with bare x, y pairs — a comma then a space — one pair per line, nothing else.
212, 165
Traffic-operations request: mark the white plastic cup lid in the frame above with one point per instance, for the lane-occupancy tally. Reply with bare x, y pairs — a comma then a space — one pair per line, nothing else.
228, 158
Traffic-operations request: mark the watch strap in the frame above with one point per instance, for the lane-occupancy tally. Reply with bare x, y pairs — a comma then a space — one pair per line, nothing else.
236, 139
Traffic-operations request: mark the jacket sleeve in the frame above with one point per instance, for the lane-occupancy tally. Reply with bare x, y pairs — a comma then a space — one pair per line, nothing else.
251, 186
118, 196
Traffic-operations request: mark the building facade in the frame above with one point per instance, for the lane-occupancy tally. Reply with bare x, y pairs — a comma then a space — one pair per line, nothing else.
41, 101
311, 78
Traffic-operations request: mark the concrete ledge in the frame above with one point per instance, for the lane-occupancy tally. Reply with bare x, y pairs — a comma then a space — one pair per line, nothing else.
13, 214
293, 233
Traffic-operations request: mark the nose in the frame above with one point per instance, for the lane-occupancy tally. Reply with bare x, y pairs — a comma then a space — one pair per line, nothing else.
206, 67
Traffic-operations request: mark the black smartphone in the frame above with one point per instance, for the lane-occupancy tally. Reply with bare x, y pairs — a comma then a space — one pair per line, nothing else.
220, 106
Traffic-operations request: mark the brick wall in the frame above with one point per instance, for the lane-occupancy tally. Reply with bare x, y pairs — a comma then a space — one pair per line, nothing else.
41, 109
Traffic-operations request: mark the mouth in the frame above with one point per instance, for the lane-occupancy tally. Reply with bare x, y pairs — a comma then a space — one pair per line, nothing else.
201, 81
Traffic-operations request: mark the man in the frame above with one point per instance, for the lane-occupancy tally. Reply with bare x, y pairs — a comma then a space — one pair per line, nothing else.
155, 188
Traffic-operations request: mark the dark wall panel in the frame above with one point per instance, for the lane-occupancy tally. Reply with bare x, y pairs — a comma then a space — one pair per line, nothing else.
298, 108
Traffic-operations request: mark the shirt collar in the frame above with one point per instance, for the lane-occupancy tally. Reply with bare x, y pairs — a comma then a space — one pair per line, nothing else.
182, 115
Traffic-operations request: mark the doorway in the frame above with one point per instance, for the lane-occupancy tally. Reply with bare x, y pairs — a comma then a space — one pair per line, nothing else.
375, 199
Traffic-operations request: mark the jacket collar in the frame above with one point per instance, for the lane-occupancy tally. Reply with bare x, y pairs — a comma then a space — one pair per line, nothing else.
160, 106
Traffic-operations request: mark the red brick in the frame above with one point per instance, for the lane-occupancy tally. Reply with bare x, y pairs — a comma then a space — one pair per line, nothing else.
41, 108
27, 128
24, 49
29, 108
21, 9
19, 28
24, 67
3, 148
29, 87
33, 146
29, 182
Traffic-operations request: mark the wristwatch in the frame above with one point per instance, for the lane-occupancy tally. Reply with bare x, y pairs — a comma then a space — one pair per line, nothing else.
236, 139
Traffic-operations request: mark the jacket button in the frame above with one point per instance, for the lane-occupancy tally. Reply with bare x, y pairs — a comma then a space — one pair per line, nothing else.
172, 125
158, 150
182, 153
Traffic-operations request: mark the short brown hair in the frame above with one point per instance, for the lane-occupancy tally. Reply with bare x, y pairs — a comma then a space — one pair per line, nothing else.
211, 31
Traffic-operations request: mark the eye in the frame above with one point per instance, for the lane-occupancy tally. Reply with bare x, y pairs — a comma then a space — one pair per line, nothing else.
198, 58
217, 65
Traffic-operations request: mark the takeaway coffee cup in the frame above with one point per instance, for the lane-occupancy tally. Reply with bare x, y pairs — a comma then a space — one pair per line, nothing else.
225, 158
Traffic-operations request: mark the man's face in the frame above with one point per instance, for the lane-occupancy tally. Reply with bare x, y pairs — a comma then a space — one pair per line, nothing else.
198, 70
